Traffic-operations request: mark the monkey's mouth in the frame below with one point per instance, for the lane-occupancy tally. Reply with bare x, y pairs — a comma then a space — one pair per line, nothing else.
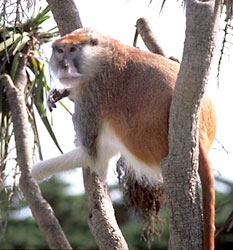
65, 75
70, 80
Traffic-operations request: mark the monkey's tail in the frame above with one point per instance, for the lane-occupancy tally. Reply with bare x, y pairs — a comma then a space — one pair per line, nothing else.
208, 191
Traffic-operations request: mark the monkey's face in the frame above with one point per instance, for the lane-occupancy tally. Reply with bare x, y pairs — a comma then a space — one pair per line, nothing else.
77, 56
66, 62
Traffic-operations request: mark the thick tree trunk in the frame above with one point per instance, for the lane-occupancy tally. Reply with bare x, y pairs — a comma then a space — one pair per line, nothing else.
102, 221
179, 168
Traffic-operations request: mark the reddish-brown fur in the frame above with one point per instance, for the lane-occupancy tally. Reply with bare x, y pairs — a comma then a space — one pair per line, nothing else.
139, 82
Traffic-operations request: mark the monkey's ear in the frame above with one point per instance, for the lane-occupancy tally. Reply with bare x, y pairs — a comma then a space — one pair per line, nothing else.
94, 41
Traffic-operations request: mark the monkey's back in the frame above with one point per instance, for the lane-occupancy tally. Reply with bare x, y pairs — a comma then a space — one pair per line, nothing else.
138, 101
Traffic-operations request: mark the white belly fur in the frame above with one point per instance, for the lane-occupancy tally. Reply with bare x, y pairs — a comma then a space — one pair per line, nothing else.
109, 146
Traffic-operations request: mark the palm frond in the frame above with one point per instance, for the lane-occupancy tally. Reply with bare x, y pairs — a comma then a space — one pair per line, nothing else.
13, 40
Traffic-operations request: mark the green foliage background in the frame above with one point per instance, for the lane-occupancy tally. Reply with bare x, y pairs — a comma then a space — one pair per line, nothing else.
72, 212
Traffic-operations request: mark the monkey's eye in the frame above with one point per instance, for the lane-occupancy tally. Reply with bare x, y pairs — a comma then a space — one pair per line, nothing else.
59, 50
73, 49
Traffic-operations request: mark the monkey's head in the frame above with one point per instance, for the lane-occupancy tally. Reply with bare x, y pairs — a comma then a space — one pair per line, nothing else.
78, 55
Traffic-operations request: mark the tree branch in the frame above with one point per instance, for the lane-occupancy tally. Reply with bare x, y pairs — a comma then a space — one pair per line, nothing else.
102, 221
148, 37
41, 210
227, 225
66, 15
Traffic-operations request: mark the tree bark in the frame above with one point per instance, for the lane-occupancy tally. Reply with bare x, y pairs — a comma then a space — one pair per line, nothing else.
66, 15
148, 37
102, 221
180, 167
41, 210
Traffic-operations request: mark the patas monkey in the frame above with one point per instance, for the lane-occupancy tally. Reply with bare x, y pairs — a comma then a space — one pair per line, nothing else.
122, 98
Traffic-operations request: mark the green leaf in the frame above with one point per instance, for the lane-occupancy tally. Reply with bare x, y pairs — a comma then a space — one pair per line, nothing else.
39, 86
16, 46
14, 41
36, 134
2, 67
42, 112
34, 64
39, 101
64, 106
14, 66
43, 13
8, 42
21, 43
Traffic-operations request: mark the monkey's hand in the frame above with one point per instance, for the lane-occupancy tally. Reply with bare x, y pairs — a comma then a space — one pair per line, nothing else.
55, 95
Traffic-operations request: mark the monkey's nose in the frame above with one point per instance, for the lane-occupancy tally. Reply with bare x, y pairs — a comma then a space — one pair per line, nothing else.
65, 65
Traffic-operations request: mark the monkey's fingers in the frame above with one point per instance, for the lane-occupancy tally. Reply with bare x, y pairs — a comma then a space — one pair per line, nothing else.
51, 102
56, 95
61, 93
51, 106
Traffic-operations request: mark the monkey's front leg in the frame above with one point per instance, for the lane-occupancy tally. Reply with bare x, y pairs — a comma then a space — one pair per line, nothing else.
55, 95
74, 159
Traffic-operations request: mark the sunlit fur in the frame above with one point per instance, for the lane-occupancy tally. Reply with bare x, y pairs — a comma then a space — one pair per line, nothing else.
122, 97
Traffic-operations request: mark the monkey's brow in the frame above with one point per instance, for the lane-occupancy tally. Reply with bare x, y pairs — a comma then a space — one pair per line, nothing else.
62, 45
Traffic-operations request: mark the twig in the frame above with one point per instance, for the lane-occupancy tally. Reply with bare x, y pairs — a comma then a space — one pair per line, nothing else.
223, 148
226, 227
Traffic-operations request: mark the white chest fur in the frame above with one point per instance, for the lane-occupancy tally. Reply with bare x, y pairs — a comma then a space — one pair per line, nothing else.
109, 146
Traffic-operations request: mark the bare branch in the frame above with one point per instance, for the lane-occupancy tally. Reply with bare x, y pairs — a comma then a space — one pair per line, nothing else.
226, 227
148, 37
222, 147
102, 220
13, 11
66, 15
41, 210
151, 42
222, 51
